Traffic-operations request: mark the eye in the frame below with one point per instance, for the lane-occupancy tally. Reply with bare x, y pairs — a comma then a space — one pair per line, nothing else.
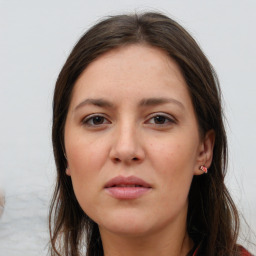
95, 120
161, 120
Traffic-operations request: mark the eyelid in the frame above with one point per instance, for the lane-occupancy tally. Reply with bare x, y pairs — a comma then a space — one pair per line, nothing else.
171, 118
91, 116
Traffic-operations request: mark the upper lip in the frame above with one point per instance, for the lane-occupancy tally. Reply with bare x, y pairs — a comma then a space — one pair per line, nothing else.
130, 180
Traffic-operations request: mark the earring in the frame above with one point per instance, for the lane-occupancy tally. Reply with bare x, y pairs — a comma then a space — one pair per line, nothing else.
203, 168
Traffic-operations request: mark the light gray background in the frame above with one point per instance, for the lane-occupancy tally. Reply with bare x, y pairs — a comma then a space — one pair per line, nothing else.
36, 38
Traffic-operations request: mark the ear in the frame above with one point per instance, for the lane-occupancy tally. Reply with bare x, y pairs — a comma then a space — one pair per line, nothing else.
205, 152
68, 172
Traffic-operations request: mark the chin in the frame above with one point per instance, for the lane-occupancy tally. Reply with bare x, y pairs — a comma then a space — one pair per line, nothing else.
128, 230
126, 224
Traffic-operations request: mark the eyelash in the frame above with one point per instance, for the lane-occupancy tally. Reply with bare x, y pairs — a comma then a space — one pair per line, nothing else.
167, 120
89, 118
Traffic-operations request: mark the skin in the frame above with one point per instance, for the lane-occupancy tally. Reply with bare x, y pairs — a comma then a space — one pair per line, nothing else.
157, 141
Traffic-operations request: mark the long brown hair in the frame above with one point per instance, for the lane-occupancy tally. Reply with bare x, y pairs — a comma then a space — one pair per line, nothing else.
212, 218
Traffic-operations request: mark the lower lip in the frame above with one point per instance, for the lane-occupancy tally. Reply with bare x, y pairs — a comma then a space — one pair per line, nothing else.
127, 192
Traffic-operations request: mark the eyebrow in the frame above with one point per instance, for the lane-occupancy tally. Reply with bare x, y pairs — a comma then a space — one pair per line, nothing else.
144, 102
95, 102
159, 101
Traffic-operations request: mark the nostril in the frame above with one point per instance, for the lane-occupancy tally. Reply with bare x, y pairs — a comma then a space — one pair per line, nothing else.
117, 160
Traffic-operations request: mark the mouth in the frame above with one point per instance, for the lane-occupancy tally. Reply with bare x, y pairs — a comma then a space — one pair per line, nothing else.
125, 186
130, 187
131, 181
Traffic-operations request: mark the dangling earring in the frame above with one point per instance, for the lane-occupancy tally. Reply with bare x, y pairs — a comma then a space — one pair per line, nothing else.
203, 168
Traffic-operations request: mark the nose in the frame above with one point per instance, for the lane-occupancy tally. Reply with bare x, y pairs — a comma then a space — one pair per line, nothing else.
127, 146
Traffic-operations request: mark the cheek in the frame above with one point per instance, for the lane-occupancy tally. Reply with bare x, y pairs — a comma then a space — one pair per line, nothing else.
86, 154
85, 162
174, 162
173, 156
85, 159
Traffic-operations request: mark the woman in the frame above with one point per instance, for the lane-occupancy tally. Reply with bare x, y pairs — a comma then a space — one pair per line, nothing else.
140, 146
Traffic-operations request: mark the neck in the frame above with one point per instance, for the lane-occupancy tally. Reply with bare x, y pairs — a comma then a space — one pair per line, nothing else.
165, 242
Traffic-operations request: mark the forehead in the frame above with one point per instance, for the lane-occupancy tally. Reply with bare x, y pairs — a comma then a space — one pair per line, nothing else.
138, 70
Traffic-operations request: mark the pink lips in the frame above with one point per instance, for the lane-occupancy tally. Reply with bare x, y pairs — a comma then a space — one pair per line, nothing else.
130, 187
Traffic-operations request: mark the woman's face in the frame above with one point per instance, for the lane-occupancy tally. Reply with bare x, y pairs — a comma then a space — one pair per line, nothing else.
132, 141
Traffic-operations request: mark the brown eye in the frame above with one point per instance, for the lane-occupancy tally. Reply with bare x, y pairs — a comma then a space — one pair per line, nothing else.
160, 119
95, 120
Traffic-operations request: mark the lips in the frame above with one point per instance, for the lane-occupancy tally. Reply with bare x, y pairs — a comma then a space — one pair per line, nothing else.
130, 187
131, 181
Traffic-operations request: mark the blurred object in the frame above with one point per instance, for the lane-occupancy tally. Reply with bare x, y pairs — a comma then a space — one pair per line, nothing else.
2, 202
